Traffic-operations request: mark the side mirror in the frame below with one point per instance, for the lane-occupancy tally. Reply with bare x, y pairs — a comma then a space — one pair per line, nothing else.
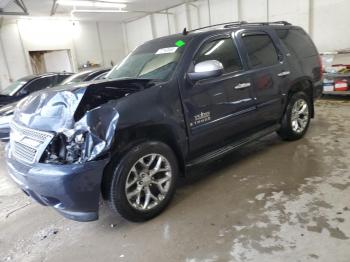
23, 92
206, 69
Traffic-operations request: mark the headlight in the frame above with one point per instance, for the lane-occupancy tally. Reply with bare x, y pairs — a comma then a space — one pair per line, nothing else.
66, 149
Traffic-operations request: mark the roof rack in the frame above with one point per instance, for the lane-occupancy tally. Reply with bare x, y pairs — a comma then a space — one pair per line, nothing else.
209, 26
270, 23
237, 23
259, 23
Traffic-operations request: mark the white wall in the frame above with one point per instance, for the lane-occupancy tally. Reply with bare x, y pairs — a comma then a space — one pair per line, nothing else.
295, 12
58, 61
331, 24
86, 42
139, 31
328, 22
100, 43
17, 63
161, 25
112, 42
223, 11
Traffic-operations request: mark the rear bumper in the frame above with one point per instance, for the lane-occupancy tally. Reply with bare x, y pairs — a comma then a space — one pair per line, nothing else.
72, 190
318, 88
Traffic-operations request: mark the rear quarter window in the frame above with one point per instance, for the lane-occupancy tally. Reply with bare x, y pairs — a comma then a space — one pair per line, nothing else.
297, 42
261, 50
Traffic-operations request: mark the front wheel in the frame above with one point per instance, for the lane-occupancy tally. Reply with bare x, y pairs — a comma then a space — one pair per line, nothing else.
297, 117
143, 182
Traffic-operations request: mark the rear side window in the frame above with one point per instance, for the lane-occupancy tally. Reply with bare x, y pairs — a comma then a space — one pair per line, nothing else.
60, 78
39, 84
261, 50
222, 50
297, 42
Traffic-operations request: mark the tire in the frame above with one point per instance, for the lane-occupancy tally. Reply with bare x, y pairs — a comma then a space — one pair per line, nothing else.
139, 164
296, 119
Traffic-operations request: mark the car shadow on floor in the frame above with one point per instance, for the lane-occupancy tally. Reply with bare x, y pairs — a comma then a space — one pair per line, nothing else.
270, 145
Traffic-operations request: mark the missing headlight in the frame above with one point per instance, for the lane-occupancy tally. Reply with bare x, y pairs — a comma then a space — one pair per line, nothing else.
85, 140
65, 150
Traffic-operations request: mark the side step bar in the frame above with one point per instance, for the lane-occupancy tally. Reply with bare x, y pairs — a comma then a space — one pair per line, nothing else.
231, 147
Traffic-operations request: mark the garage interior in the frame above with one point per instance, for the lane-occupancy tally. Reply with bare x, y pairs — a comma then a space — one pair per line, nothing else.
268, 201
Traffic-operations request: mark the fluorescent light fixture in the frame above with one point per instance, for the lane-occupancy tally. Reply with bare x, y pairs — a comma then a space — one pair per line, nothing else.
115, 1
98, 11
91, 4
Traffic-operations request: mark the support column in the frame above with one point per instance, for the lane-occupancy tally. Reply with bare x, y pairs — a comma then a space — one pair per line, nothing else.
25, 53
188, 16
239, 10
100, 44
267, 10
153, 26
311, 18
209, 12
2, 50
125, 35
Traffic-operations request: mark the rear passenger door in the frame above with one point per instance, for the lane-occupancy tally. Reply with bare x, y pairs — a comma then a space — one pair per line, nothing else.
269, 74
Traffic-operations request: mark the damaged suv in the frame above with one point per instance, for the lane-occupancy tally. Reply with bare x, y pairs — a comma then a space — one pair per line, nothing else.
174, 102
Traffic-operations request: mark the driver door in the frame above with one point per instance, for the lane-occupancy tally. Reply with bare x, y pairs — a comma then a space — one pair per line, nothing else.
222, 108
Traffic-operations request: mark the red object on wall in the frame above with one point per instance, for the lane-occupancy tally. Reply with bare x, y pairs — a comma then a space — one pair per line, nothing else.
341, 85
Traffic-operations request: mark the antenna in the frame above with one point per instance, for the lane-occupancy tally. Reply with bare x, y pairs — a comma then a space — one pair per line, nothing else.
185, 32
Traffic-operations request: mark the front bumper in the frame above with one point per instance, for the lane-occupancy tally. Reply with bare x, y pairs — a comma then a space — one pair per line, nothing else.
73, 190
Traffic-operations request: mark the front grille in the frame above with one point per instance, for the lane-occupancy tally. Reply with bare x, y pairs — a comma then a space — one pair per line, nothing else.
28, 144
24, 152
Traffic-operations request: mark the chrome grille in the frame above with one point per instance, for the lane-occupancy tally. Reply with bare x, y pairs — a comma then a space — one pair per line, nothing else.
27, 144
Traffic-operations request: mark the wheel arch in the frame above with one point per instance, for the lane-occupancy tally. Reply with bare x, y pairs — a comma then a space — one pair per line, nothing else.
130, 137
302, 85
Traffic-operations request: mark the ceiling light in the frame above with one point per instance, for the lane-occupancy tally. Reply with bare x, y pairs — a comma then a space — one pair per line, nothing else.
114, 1
91, 4
98, 11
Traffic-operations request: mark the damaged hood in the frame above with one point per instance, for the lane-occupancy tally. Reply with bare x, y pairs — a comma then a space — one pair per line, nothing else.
50, 110
60, 108
86, 109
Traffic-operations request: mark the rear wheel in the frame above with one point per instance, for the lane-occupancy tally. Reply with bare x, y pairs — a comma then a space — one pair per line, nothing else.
297, 117
143, 182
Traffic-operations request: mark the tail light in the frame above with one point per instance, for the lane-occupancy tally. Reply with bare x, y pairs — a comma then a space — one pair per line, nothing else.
321, 67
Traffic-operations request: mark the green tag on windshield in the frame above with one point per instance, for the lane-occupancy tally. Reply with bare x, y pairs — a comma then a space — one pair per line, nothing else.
180, 43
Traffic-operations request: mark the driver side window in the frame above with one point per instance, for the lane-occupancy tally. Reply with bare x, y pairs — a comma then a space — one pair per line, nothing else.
223, 50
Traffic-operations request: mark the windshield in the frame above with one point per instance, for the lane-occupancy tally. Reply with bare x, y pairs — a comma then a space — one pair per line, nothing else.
13, 87
154, 60
76, 78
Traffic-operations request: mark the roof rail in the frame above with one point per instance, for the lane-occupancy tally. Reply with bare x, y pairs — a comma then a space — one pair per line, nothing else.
262, 23
237, 23
209, 26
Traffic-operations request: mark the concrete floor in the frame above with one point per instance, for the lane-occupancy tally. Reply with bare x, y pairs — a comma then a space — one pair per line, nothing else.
271, 201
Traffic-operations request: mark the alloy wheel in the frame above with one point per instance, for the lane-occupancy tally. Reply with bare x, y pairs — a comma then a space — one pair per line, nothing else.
148, 182
300, 116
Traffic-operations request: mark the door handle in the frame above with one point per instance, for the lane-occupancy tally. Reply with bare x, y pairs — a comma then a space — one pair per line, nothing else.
285, 73
242, 85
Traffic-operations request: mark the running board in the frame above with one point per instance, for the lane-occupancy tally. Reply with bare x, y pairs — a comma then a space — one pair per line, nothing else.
231, 147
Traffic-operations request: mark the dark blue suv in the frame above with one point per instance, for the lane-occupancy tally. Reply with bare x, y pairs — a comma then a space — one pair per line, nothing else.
174, 102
